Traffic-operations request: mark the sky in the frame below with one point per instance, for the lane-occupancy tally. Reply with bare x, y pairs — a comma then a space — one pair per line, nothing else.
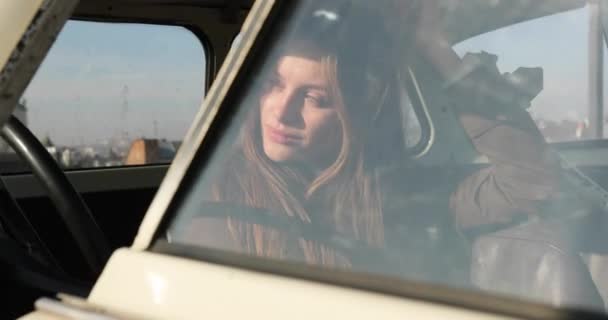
558, 44
103, 81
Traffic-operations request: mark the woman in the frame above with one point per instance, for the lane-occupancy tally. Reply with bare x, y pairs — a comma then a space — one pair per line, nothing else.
322, 142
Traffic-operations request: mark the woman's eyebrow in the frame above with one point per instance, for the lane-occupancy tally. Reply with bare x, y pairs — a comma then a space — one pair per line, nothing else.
316, 87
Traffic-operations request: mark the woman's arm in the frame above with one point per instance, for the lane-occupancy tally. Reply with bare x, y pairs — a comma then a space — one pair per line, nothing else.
523, 172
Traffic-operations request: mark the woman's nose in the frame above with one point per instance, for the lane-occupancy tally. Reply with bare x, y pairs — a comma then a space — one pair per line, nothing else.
286, 106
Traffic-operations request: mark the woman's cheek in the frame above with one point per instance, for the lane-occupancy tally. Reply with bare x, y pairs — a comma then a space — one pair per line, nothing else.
327, 132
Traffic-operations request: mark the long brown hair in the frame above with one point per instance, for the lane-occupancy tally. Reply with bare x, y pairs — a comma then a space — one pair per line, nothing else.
344, 195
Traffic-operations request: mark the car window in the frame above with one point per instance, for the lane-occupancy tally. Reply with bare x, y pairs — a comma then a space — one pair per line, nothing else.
114, 94
307, 160
561, 108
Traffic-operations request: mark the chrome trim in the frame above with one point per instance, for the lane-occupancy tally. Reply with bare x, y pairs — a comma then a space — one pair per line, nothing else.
427, 116
202, 122
596, 71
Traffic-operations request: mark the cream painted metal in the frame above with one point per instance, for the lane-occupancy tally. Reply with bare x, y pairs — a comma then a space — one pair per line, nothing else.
143, 285
15, 17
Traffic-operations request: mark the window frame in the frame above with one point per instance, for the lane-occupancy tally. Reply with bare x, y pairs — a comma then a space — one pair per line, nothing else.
208, 128
390, 286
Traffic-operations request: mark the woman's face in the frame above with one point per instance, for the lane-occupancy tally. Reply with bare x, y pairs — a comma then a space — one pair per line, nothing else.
299, 120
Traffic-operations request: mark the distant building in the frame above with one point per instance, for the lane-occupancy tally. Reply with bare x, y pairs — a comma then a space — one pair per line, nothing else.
147, 151
564, 130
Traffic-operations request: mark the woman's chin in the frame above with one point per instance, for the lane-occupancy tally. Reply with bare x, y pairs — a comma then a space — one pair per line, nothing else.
279, 154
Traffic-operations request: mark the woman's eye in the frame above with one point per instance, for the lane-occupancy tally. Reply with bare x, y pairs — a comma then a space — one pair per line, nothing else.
320, 102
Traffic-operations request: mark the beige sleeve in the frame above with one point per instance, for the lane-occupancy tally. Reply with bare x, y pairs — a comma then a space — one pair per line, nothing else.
522, 173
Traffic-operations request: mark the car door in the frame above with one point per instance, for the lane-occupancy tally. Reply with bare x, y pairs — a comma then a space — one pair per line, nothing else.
111, 101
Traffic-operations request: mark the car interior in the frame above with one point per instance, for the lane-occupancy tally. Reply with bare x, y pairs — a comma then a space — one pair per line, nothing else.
576, 281
118, 197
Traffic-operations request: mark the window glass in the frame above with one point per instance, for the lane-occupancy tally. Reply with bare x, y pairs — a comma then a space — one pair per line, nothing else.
561, 107
308, 161
113, 94
411, 124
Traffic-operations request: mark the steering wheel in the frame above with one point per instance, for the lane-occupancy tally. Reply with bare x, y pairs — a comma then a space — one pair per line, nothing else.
71, 208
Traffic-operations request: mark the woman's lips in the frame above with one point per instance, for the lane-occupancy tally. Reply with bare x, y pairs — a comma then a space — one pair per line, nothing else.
282, 137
